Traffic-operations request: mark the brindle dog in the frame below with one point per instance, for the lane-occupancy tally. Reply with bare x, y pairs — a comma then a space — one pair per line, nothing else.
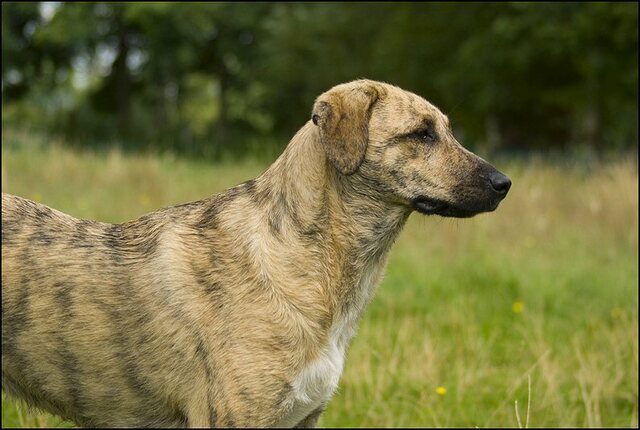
235, 310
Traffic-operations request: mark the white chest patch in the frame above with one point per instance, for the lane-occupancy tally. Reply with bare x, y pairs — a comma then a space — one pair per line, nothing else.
317, 382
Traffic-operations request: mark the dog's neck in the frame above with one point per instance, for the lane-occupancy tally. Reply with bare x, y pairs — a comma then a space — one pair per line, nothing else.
351, 224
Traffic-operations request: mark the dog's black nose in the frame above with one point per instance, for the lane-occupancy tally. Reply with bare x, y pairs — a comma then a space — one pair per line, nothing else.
499, 182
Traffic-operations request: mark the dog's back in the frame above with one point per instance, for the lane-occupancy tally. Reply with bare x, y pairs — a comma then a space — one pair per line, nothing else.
71, 314
140, 324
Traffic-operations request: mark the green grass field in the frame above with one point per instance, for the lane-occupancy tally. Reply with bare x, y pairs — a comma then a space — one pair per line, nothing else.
544, 289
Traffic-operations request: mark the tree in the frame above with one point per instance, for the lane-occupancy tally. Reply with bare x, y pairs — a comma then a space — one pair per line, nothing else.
202, 77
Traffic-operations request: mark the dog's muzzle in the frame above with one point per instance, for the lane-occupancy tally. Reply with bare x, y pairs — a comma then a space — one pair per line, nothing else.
494, 189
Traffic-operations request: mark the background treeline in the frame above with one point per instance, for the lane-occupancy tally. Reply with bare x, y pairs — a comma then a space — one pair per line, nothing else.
209, 78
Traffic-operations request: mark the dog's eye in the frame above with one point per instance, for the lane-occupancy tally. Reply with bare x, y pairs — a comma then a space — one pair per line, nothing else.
428, 136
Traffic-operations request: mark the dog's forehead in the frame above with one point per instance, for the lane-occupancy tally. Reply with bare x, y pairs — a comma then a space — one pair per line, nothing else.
405, 110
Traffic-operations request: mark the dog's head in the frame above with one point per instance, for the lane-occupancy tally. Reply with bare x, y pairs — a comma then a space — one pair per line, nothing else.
403, 148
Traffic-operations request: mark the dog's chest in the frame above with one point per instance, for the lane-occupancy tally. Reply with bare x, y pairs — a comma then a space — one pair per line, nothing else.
316, 383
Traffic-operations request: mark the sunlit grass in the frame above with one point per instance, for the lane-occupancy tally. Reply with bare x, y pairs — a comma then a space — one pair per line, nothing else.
546, 287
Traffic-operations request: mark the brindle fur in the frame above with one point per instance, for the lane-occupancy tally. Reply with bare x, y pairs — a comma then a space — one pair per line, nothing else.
203, 314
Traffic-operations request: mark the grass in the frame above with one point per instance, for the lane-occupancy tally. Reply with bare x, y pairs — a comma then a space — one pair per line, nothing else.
545, 288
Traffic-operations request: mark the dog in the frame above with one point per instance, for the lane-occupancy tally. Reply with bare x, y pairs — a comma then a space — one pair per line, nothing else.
235, 310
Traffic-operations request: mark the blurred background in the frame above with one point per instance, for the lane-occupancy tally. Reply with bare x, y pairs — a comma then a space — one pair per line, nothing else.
527, 316
209, 78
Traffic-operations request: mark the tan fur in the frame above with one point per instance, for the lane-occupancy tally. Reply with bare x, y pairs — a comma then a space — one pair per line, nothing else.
204, 314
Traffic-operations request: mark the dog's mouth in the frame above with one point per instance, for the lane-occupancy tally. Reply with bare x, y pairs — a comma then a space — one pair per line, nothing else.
430, 206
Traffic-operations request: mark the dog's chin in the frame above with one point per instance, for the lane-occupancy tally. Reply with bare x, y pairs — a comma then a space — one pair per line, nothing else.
429, 206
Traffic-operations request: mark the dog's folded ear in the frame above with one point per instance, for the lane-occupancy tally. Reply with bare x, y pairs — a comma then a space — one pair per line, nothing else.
342, 116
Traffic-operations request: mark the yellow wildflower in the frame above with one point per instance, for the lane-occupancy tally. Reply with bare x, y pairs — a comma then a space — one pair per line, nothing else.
517, 307
441, 391
617, 313
144, 199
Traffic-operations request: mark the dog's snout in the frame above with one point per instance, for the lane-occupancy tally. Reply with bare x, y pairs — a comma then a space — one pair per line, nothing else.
499, 182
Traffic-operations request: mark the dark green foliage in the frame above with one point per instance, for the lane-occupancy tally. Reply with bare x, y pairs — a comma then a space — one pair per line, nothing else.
208, 78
